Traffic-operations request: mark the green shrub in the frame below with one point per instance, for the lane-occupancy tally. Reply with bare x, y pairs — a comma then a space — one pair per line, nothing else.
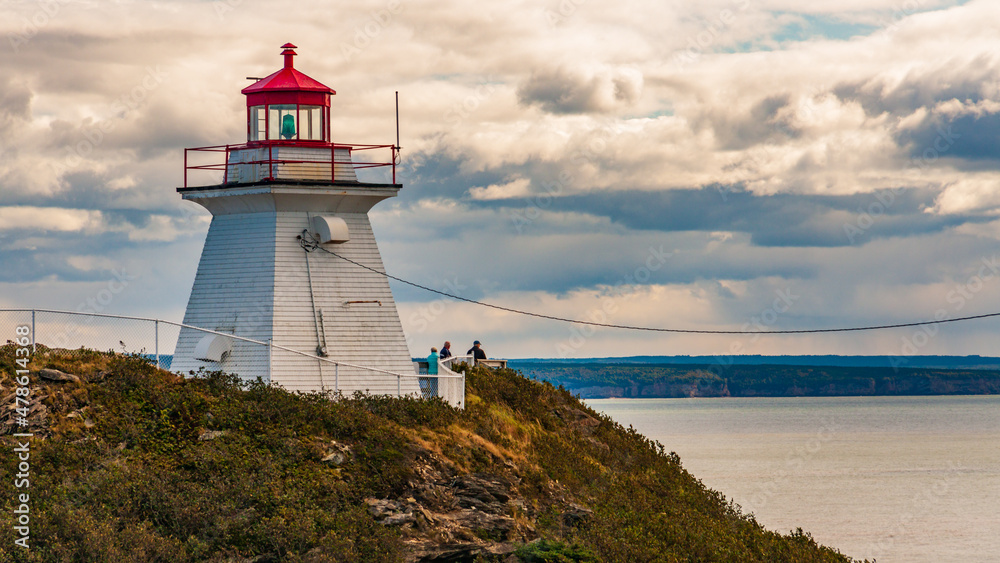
546, 551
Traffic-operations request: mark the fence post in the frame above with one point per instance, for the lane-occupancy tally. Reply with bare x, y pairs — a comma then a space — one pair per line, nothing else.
269, 349
336, 378
156, 336
399, 388
33, 340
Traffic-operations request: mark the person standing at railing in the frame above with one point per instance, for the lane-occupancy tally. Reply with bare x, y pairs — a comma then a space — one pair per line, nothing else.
446, 350
432, 362
476, 352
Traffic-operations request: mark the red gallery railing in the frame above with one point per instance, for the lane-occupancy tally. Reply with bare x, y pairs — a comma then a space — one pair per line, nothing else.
271, 161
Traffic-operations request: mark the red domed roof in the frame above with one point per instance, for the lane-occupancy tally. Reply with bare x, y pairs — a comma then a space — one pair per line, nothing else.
287, 79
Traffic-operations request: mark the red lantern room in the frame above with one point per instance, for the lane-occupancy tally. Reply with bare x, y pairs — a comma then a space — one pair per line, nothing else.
288, 106
288, 138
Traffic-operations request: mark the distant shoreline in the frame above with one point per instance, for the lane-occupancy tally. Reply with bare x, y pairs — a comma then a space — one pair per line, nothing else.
596, 380
831, 360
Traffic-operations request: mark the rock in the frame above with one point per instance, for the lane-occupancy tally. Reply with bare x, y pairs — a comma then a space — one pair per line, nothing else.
575, 515
450, 553
338, 454
390, 512
427, 515
211, 435
380, 508
336, 458
36, 422
488, 493
398, 519
56, 375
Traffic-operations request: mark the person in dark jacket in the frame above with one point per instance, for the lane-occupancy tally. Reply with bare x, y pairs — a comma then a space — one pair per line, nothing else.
476, 352
446, 350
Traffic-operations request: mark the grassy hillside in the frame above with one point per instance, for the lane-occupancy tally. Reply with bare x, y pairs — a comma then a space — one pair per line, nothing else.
140, 465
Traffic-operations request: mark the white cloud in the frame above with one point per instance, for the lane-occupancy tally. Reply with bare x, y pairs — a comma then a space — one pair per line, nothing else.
49, 219
978, 192
163, 228
517, 187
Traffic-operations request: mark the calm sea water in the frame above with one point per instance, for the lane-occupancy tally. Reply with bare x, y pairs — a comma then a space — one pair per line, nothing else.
900, 479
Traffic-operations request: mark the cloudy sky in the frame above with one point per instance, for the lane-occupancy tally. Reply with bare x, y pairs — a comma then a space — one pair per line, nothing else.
735, 164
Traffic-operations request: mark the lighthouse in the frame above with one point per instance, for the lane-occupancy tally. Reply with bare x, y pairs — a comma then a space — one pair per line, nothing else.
290, 258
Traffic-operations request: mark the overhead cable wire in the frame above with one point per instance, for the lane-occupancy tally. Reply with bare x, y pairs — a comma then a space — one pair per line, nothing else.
310, 245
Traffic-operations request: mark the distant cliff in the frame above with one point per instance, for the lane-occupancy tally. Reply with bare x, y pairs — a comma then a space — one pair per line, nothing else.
602, 380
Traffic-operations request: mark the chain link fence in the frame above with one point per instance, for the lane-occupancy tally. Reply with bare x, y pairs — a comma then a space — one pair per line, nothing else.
156, 339
93, 331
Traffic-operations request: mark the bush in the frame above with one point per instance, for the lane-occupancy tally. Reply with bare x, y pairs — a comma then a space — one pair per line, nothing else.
546, 551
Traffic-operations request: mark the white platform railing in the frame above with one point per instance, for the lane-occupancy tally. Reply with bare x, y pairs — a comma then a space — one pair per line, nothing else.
99, 331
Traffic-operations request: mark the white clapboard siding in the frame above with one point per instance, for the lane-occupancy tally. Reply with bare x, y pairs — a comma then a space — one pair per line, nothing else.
232, 293
253, 281
245, 165
365, 334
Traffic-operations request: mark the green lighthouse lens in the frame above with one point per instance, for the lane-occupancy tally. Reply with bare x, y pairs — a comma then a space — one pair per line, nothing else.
288, 127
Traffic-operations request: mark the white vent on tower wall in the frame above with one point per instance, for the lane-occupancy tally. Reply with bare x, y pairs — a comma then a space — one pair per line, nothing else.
212, 348
330, 229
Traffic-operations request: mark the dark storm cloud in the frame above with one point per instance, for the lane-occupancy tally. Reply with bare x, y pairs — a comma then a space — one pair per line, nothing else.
69, 61
480, 259
778, 220
970, 136
15, 104
782, 220
439, 175
565, 91
761, 124
87, 189
130, 130
174, 128
24, 265
33, 254
953, 79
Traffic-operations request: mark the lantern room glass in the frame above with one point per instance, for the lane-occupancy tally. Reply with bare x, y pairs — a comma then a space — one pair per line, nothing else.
258, 124
287, 122
282, 124
311, 123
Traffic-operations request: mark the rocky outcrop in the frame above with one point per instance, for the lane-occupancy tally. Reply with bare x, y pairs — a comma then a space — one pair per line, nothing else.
35, 421
46, 385
56, 375
446, 516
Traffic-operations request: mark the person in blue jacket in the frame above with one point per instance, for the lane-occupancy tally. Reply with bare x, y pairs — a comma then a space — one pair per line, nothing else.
446, 350
432, 362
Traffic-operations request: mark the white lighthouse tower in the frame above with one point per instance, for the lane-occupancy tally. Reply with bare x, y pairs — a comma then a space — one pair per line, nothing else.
289, 211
